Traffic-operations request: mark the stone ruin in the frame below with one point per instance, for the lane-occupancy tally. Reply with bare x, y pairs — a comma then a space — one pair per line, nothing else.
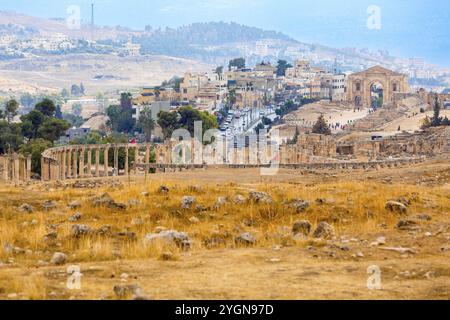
312, 150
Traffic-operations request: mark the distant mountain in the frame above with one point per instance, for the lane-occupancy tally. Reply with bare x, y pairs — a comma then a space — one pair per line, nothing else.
214, 42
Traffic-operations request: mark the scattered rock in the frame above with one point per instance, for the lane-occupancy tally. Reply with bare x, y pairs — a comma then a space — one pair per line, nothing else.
246, 239
260, 197
127, 291
53, 235
74, 205
302, 227
404, 200
407, 225
187, 202
76, 217
105, 200
49, 205
26, 208
58, 258
396, 207
104, 231
381, 241
239, 199
181, 239
221, 201
424, 217
399, 250
80, 230
163, 190
166, 256
299, 205
194, 220
324, 230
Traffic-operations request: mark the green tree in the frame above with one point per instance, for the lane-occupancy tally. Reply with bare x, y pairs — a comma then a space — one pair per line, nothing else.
436, 120
296, 136
146, 123
77, 109
11, 110
126, 101
168, 122
282, 66
321, 126
75, 90
31, 123
219, 70
10, 136
231, 97
27, 100
82, 90
239, 63
64, 93
58, 112
46, 107
35, 148
52, 129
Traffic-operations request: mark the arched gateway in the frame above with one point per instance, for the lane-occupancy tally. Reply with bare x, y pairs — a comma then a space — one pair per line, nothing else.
360, 85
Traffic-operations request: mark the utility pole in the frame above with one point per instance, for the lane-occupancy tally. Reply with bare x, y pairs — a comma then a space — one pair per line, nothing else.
92, 22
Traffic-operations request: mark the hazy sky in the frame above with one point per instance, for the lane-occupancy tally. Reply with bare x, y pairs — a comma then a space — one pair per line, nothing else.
410, 28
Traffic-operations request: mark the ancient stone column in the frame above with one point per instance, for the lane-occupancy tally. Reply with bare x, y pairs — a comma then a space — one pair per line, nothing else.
75, 164
23, 166
147, 154
97, 162
82, 168
136, 155
63, 165
89, 162
126, 161
116, 161
42, 169
69, 163
105, 162
16, 169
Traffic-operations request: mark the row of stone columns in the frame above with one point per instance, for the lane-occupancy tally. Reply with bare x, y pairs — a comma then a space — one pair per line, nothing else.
77, 161
15, 168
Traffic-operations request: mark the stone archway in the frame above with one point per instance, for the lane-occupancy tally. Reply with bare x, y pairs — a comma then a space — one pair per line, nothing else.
359, 85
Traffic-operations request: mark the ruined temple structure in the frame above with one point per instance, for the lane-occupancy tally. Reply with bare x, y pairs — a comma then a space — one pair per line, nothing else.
15, 168
72, 162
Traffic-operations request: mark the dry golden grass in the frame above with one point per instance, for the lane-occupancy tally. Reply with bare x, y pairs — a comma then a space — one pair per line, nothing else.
353, 208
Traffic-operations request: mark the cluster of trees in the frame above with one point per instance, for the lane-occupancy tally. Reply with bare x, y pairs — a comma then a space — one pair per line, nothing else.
288, 106
238, 63
436, 120
75, 90
38, 130
121, 116
174, 83
282, 66
184, 118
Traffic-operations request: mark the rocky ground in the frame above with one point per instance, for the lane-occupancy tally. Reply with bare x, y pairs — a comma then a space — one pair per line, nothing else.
231, 234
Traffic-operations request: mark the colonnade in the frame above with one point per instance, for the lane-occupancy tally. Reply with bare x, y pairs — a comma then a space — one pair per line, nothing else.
85, 161
15, 168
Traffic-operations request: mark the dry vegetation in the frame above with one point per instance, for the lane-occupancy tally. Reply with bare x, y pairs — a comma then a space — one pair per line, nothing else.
279, 265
